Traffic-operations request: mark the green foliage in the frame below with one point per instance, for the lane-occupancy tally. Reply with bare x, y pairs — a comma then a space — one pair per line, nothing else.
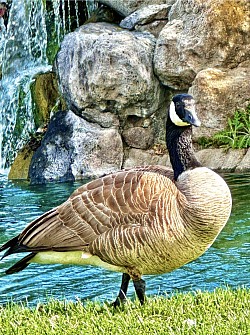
224, 311
237, 133
235, 136
206, 142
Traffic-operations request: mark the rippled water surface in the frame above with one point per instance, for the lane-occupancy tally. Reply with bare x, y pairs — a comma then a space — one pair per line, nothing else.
227, 262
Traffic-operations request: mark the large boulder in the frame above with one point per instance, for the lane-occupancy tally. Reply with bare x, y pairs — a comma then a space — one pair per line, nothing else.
218, 93
73, 148
102, 67
199, 34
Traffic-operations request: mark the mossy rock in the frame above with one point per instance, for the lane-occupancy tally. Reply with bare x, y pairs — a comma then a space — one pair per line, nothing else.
20, 167
46, 98
21, 164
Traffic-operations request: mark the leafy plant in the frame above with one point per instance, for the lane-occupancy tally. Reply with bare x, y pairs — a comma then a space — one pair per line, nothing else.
235, 136
237, 133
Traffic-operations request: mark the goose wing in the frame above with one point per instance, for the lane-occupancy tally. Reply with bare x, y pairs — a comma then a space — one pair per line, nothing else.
122, 199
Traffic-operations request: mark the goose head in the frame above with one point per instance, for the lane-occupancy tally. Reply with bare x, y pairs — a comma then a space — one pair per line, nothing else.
181, 117
182, 111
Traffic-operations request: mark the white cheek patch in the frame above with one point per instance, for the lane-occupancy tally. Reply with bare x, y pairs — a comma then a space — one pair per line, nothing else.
175, 118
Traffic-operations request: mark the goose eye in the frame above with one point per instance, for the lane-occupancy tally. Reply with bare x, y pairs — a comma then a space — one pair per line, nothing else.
189, 117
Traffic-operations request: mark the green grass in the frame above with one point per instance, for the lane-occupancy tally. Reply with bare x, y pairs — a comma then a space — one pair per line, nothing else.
222, 312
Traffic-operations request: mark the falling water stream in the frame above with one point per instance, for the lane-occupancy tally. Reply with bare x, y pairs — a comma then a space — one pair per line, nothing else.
23, 56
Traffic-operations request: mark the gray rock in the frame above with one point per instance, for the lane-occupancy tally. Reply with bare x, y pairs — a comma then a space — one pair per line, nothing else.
216, 159
218, 93
126, 7
170, 64
139, 157
74, 149
153, 27
244, 165
138, 137
212, 158
201, 35
221, 159
102, 67
145, 16
232, 159
103, 119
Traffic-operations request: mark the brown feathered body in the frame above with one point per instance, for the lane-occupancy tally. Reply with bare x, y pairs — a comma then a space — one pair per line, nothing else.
137, 221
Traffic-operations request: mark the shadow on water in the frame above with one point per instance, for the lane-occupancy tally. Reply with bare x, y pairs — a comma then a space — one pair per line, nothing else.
227, 262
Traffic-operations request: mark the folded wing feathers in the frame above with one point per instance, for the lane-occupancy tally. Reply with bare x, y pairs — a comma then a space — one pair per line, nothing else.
108, 207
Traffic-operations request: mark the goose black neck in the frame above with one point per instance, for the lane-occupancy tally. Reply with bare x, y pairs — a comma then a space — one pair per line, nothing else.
180, 148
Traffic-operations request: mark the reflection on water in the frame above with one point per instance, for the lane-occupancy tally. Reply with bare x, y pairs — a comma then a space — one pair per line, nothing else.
227, 262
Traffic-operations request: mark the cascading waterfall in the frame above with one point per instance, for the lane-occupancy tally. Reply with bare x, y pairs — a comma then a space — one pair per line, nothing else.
24, 55
24, 51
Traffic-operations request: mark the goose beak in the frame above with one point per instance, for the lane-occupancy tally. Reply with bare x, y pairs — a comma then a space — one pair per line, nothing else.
192, 118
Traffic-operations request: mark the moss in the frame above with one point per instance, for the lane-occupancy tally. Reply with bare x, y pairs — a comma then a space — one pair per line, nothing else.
45, 98
20, 167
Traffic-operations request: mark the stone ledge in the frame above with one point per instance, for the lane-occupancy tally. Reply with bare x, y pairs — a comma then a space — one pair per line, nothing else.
237, 160
223, 160
217, 159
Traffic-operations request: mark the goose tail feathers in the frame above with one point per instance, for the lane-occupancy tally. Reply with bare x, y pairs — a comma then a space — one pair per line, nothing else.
12, 247
20, 265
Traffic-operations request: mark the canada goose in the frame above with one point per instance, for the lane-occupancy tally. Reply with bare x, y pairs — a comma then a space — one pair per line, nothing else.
143, 220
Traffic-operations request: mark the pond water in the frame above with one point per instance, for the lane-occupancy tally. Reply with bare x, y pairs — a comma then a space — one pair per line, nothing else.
226, 263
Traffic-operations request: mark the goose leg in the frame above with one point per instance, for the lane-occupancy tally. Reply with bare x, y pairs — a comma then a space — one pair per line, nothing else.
123, 290
140, 287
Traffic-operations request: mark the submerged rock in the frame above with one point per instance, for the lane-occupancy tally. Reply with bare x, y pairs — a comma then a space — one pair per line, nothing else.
73, 148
